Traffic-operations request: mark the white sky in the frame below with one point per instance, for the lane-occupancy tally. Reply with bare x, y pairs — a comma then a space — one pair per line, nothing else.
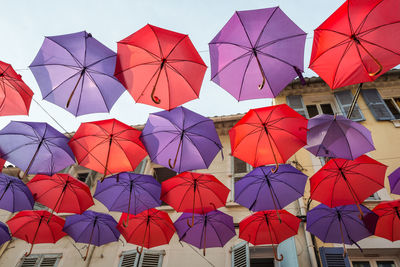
24, 23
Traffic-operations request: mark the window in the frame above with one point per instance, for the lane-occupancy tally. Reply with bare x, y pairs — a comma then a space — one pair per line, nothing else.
240, 169
141, 167
261, 262
374, 196
83, 176
161, 175
373, 263
377, 105
344, 99
316, 109
240, 255
40, 260
39, 206
394, 106
333, 257
86, 176
149, 258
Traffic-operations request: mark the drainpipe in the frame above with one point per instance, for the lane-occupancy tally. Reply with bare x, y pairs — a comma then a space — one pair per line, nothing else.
310, 244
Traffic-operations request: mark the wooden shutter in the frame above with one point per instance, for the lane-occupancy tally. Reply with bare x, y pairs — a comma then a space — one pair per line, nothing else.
49, 261
344, 99
240, 255
333, 257
41, 260
29, 262
151, 258
296, 103
129, 259
376, 105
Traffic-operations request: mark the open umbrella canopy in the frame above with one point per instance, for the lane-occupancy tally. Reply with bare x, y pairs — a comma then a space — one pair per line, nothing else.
257, 53
15, 95
388, 225
4, 233
394, 180
35, 147
335, 136
160, 67
14, 194
181, 140
76, 72
61, 192
357, 43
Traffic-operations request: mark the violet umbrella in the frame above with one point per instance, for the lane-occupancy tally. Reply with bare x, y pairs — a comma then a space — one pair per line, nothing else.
14, 194
256, 49
338, 225
129, 192
76, 72
35, 147
91, 227
181, 139
212, 229
4, 233
394, 180
335, 136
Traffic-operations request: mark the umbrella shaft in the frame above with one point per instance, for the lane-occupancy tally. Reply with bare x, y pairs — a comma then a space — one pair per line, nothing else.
33, 159
73, 91
354, 102
176, 155
5, 190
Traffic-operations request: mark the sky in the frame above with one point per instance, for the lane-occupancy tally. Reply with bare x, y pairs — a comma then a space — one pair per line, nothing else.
25, 23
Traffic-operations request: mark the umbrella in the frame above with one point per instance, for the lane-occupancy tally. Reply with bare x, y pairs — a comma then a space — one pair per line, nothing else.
2, 162
75, 71
15, 195
181, 139
15, 95
61, 193
194, 192
91, 227
36, 226
388, 224
35, 147
394, 180
4, 233
262, 189
326, 223
257, 46
129, 192
160, 67
268, 135
210, 230
107, 146
338, 182
337, 137
150, 228
265, 227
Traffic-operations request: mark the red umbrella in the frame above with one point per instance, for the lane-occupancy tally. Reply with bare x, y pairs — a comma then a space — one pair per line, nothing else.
2, 162
61, 193
194, 192
107, 146
268, 135
36, 226
150, 228
388, 225
15, 95
338, 182
159, 67
265, 227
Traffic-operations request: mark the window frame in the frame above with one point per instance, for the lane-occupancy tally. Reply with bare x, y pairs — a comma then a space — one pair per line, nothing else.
234, 175
319, 109
40, 258
139, 258
373, 261
393, 103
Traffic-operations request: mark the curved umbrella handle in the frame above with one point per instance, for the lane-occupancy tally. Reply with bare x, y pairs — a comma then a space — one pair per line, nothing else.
170, 165
276, 167
176, 155
190, 224
139, 251
260, 86
371, 74
125, 224
30, 251
155, 98
276, 254
87, 252
73, 91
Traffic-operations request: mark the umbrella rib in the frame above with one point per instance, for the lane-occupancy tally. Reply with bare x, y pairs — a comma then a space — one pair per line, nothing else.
330, 48
230, 63
230, 43
151, 78
203, 136
248, 185
247, 135
176, 45
319, 217
276, 58
245, 31
184, 78
165, 147
369, 178
98, 87
328, 228
216, 233
361, 34
265, 26
69, 52
383, 48
366, 16
334, 31
148, 51
348, 18
184, 195
244, 74
198, 150
129, 68
168, 84
62, 83
279, 40
344, 134
158, 42
56, 64
341, 60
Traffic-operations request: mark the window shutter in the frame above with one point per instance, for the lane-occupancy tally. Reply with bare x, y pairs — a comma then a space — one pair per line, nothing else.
151, 258
376, 105
288, 250
333, 257
49, 262
344, 99
240, 255
129, 259
29, 262
296, 103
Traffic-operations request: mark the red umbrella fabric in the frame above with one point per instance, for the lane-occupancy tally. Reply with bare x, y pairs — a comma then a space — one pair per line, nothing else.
160, 67
266, 227
107, 146
357, 43
61, 193
268, 135
338, 182
388, 225
36, 226
150, 228
15, 95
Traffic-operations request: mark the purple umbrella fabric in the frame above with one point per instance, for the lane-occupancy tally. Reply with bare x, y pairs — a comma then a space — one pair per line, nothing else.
261, 189
76, 72
129, 192
4, 233
181, 140
335, 136
212, 229
257, 48
35, 147
394, 181
14, 194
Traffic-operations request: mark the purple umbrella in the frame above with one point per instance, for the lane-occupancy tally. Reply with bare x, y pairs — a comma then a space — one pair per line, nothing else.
76, 72
35, 147
91, 227
338, 225
14, 194
212, 229
256, 49
4, 233
261, 189
336, 136
394, 180
129, 192
181, 139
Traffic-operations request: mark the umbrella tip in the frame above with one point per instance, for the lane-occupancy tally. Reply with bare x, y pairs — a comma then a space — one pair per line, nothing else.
89, 35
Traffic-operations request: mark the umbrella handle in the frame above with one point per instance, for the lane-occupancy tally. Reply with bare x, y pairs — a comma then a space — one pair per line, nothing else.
260, 86
87, 252
29, 252
73, 91
139, 251
371, 74
276, 167
155, 98
276, 254
176, 155
190, 224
